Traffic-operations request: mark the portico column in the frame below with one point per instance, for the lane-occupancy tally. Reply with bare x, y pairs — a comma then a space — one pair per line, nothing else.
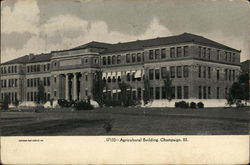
75, 87
67, 87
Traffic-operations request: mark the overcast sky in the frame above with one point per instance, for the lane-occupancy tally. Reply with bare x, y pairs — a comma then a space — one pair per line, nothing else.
29, 26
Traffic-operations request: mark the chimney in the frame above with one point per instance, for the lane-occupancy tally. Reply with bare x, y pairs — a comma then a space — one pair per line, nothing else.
31, 55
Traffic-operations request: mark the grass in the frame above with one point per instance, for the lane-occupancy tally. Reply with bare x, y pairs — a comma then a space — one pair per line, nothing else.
127, 121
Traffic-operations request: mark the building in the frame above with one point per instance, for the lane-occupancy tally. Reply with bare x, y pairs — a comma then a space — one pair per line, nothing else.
199, 68
245, 66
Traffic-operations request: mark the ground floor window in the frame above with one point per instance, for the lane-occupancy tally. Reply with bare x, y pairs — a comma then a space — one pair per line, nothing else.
204, 92
199, 92
179, 92
157, 93
151, 93
163, 93
209, 92
186, 92
173, 92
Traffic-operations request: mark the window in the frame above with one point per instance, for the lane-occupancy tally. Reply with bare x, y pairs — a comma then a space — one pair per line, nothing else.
204, 92
157, 74
179, 92
113, 79
31, 96
233, 57
48, 66
225, 74
185, 51
218, 74
179, 72
86, 77
208, 53
230, 56
172, 52
133, 57
151, 93
218, 55
103, 60
119, 59
35, 82
163, 72
151, 54
200, 94
54, 79
28, 96
151, 74
225, 56
157, 93
38, 68
15, 69
209, 72
178, 51
157, 53
173, 92
48, 81
113, 60
204, 52
230, 73
233, 74
139, 93
226, 93
31, 82
109, 79
204, 71
163, 53
31, 68
127, 58
138, 57
199, 51
109, 60
172, 72
44, 81
142, 56
199, 72
186, 92
96, 61
119, 78
185, 71
163, 93
128, 76
218, 92
209, 92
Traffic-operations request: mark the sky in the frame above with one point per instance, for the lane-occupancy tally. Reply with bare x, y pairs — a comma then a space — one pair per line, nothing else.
40, 26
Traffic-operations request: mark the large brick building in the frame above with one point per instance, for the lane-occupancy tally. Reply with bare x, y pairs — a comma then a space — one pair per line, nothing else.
199, 68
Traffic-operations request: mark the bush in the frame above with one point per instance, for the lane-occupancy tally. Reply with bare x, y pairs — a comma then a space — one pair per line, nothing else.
181, 104
63, 103
81, 105
113, 103
200, 105
192, 105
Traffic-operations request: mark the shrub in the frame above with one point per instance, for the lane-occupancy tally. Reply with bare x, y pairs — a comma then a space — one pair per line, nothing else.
113, 103
63, 103
200, 105
81, 105
192, 105
181, 104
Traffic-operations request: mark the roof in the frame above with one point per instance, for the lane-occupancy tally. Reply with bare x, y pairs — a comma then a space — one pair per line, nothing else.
182, 38
133, 45
26, 59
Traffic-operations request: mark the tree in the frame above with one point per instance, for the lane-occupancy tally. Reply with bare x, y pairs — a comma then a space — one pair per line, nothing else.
168, 87
6, 102
123, 87
98, 86
40, 93
146, 95
239, 90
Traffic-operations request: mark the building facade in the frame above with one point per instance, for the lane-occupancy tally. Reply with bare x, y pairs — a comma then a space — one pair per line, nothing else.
199, 68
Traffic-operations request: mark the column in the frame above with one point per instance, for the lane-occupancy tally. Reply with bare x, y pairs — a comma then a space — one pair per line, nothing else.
67, 87
75, 86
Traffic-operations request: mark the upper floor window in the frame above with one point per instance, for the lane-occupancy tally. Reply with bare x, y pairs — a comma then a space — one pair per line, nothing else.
163, 72
138, 57
113, 60
96, 61
230, 56
151, 54
179, 72
208, 53
109, 60
199, 51
118, 59
133, 57
128, 58
163, 53
157, 53
28, 69
151, 74
185, 71
218, 55
218, 74
199, 72
178, 51
104, 61
185, 51
225, 56
204, 52
233, 60
172, 72
86, 60
172, 52
157, 74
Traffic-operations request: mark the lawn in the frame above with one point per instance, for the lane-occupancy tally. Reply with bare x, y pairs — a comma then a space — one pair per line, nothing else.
127, 121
